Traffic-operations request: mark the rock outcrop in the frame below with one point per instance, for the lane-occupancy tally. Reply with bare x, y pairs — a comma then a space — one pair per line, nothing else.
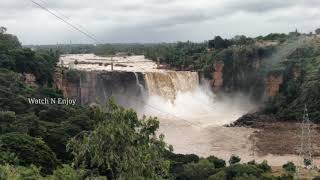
217, 81
252, 120
30, 79
273, 83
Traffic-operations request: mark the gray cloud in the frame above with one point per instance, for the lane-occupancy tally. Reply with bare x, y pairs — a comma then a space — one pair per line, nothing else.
155, 20
257, 6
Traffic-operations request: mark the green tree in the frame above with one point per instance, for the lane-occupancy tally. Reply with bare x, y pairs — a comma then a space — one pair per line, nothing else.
122, 146
218, 163
7, 118
243, 170
218, 43
307, 162
8, 41
242, 40
66, 172
197, 171
289, 167
264, 166
221, 175
3, 30
234, 159
29, 150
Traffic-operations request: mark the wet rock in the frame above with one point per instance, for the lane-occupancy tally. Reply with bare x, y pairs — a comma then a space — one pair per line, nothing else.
252, 120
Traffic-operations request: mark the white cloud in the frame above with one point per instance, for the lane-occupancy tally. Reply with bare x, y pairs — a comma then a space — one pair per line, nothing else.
155, 20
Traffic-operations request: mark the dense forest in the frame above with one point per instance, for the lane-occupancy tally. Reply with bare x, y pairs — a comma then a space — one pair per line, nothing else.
75, 142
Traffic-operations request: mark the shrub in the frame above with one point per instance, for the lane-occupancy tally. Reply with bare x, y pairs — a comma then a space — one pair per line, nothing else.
7, 118
239, 170
72, 75
289, 167
182, 158
197, 171
221, 175
29, 150
264, 166
19, 172
8, 158
218, 163
67, 173
234, 159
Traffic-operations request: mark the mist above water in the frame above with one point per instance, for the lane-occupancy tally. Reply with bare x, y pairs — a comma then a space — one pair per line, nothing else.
193, 120
199, 107
182, 98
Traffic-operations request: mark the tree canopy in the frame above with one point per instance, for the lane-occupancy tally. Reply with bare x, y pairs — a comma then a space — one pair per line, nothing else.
122, 145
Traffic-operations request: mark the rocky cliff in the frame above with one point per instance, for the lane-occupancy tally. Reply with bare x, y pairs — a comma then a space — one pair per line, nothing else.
217, 79
273, 83
97, 86
249, 80
129, 89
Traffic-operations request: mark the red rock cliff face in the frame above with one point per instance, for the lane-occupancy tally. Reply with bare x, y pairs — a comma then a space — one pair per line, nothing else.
267, 86
273, 83
217, 81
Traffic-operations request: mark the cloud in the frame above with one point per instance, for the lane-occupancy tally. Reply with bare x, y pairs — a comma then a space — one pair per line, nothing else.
155, 20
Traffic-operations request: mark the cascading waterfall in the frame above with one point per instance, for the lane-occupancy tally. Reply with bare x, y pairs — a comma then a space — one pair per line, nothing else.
178, 95
169, 84
186, 109
190, 115
142, 91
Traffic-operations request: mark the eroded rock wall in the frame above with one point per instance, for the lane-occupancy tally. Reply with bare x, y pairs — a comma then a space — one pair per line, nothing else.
250, 81
97, 86
217, 81
273, 83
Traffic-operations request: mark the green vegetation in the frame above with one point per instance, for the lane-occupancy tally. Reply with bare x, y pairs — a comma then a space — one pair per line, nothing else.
23, 60
290, 167
301, 85
34, 151
34, 134
274, 37
234, 159
74, 142
121, 145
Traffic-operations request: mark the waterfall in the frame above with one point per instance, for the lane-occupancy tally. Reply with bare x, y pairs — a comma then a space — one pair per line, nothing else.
169, 84
178, 96
142, 91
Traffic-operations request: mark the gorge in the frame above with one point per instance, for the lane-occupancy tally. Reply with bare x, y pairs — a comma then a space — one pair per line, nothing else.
218, 109
191, 115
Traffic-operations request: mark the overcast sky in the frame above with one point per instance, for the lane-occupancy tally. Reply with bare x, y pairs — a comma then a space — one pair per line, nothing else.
114, 21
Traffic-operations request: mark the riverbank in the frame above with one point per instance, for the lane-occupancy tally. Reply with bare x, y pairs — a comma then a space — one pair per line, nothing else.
275, 142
